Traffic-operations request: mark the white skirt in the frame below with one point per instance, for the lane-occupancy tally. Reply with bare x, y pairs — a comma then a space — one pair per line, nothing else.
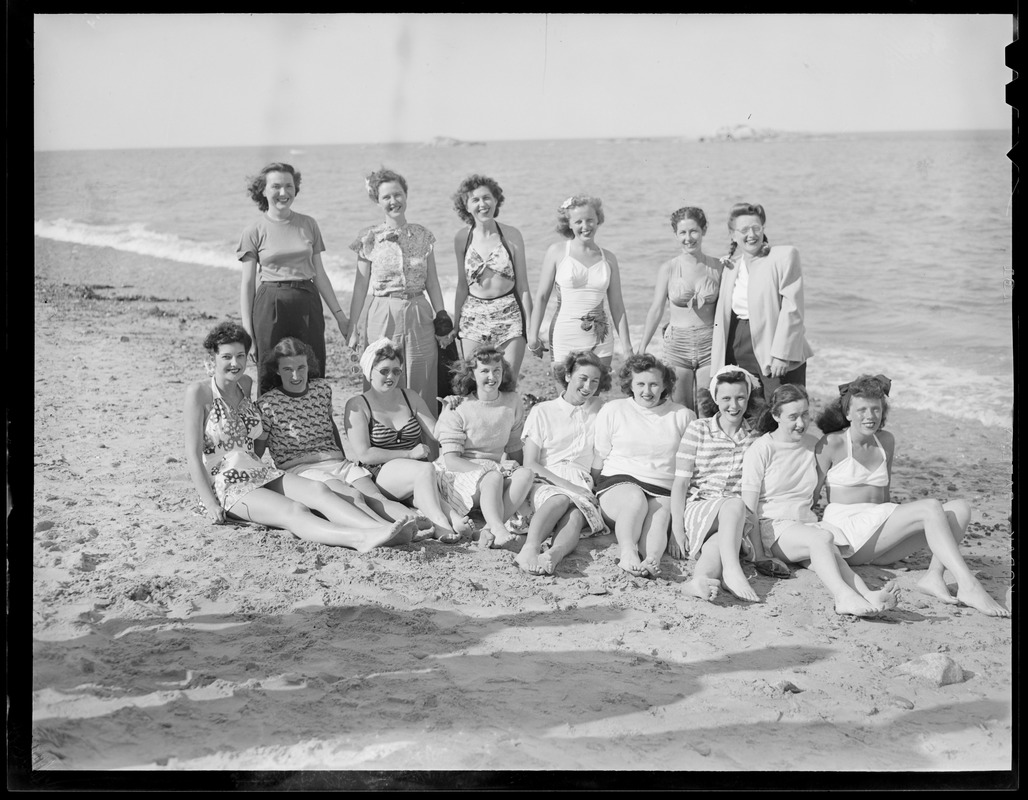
853, 524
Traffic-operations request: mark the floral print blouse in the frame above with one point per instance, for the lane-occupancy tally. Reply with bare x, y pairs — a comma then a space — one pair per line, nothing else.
398, 256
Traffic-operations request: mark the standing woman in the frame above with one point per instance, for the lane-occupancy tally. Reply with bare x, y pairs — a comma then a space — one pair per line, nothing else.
585, 275
493, 301
758, 324
395, 258
284, 247
690, 281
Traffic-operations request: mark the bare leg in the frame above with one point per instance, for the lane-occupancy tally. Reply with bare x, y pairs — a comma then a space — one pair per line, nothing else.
379, 503
317, 495
730, 520
565, 540
514, 353
352, 495
269, 507
653, 540
489, 498
515, 491
928, 523
884, 599
403, 478
541, 526
625, 509
804, 543
701, 382
706, 577
683, 391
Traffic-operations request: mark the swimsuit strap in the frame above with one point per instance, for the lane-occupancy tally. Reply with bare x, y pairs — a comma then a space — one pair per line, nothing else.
409, 408
506, 247
467, 244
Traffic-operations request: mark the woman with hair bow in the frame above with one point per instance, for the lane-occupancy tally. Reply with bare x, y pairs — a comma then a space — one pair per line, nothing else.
856, 457
758, 323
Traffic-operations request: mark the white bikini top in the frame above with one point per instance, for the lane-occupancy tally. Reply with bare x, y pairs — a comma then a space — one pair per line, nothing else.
572, 273
849, 472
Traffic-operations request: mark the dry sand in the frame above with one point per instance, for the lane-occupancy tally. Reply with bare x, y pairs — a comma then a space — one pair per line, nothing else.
161, 642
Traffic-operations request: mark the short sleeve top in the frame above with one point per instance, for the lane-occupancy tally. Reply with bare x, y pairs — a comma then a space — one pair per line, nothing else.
784, 475
712, 459
564, 433
398, 257
283, 249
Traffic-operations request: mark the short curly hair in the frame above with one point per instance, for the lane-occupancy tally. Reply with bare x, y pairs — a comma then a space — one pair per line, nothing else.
754, 403
582, 358
258, 183
783, 395
644, 362
227, 332
463, 371
467, 186
834, 416
286, 348
689, 212
576, 201
375, 179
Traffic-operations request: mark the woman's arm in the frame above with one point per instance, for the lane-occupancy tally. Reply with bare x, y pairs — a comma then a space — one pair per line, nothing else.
677, 546
521, 287
356, 422
656, 312
786, 347
247, 291
889, 443
532, 452
819, 449
198, 396
617, 305
361, 282
328, 292
751, 498
462, 278
435, 294
427, 420
542, 297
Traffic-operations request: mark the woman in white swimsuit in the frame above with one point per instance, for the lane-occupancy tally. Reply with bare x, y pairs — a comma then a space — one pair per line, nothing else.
857, 460
690, 281
493, 301
585, 275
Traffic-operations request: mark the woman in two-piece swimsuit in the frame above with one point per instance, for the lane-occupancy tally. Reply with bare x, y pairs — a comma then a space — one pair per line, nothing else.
585, 275
493, 302
690, 282
224, 437
856, 458
389, 432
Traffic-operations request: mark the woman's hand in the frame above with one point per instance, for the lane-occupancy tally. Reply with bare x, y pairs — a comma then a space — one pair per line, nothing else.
676, 544
778, 367
420, 452
216, 514
536, 347
451, 401
353, 337
446, 341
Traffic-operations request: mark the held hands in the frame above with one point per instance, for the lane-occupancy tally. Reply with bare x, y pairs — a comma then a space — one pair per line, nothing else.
536, 347
778, 368
446, 341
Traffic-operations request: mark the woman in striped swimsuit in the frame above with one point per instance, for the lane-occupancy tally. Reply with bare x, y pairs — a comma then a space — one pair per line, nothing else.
389, 431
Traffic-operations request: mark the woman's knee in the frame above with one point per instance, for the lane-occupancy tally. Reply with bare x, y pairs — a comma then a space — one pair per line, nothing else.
961, 511
558, 504
732, 508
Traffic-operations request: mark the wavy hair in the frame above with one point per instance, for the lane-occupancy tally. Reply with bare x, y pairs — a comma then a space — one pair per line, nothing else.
286, 348
582, 358
642, 363
834, 415
227, 332
256, 185
576, 201
747, 210
783, 395
375, 179
689, 212
467, 186
463, 371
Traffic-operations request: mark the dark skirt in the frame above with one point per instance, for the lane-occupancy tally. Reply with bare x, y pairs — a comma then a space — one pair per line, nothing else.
288, 308
610, 481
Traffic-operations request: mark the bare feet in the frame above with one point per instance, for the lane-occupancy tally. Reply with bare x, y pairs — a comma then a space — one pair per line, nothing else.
886, 598
855, 606
495, 536
399, 532
528, 561
546, 562
650, 567
740, 587
935, 585
976, 597
446, 535
703, 588
630, 563
462, 525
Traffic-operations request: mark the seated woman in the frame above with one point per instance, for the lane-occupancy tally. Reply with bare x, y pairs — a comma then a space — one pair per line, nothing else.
221, 424
635, 446
303, 438
558, 440
869, 529
780, 481
389, 431
710, 524
473, 439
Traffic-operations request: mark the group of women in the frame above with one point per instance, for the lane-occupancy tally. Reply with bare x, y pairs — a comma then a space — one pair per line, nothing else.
737, 484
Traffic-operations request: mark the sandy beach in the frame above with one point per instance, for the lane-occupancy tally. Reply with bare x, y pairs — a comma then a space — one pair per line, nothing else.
163, 643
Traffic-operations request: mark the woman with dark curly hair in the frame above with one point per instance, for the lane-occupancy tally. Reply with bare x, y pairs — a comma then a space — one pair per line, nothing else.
473, 439
221, 426
636, 445
558, 439
856, 457
283, 248
758, 323
690, 282
586, 277
493, 302
397, 260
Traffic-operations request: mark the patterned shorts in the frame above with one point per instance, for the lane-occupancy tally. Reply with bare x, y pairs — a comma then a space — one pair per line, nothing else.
496, 321
688, 348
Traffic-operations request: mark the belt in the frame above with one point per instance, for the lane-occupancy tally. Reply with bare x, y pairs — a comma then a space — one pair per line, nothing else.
290, 284
402, 293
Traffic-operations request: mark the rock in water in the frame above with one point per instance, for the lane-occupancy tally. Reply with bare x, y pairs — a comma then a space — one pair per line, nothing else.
935, 668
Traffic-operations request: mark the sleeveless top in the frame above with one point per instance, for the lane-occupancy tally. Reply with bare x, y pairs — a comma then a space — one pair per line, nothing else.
850, 472
388, 438
573, 274
500, 260
683, 293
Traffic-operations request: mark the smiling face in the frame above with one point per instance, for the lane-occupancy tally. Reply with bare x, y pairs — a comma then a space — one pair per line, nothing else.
229, 362
488, 377
731, 399
385, 375
279, 191
748, 233
583, 222
392, 199
481, 204
865, 414
292, 370
583, 384
793, 420
690, 235
648, 387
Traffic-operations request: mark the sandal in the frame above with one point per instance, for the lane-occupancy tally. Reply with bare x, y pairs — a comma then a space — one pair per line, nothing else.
773, 568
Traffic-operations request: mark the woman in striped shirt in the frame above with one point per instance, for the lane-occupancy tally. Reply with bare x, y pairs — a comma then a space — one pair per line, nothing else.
708, 516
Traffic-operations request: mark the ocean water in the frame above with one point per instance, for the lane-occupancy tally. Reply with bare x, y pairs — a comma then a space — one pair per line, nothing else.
904, 238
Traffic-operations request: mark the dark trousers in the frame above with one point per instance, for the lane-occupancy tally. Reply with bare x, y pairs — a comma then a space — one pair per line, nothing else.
289, 308
739, 351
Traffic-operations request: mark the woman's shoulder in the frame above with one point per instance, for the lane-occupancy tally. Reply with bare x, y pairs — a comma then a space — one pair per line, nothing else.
887, 440
357, 403
461, 237
200, 391
510, 232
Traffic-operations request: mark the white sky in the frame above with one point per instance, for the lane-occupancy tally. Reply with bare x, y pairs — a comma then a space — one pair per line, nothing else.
113, 81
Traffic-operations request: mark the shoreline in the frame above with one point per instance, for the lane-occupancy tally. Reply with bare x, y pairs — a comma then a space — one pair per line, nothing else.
180, 645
